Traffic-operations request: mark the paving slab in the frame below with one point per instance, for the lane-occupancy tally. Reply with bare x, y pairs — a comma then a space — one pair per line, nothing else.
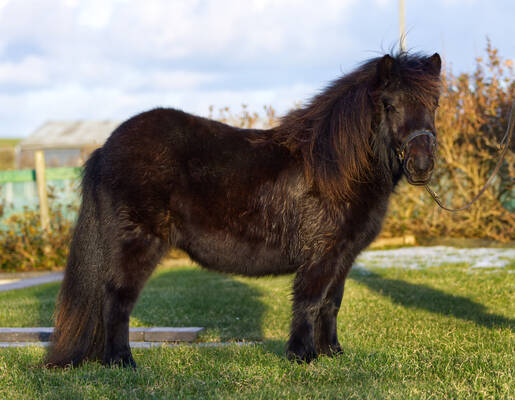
25, 334
139, 345
163, 334
4, 281
154, 334
34, 281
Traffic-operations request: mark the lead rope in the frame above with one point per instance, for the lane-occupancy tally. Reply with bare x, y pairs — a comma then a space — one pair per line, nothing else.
504, 142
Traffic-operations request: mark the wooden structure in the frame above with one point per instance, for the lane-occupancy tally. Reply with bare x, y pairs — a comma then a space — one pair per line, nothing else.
64, 143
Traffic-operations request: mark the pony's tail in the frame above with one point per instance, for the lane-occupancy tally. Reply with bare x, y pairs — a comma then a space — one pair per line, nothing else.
79, 331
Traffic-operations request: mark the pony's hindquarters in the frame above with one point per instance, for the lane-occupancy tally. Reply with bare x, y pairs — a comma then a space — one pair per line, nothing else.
110, 259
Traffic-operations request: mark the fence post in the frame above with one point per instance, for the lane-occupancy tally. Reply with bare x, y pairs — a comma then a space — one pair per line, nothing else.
39, 158
402, 28
17, 157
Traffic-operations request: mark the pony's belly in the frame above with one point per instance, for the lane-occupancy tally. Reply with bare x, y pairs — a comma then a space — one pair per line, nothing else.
227, 253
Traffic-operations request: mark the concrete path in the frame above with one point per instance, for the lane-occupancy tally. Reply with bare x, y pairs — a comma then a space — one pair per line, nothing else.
140, 345
33, 281
136, 334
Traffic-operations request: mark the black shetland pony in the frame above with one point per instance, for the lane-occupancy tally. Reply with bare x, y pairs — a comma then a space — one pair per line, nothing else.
304, 197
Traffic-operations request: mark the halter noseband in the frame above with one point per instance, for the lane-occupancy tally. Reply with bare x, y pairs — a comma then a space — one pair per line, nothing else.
401, 151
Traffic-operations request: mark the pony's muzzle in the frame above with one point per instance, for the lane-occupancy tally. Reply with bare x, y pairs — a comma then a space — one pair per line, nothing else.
420, 154
419, 169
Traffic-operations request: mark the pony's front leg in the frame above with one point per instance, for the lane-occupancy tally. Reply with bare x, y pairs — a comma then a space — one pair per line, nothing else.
310, 288
326, 335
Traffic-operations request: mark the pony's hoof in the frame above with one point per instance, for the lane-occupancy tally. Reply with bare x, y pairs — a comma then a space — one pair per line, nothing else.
335, 350
125, 361
301, 353
329, 350
302, 358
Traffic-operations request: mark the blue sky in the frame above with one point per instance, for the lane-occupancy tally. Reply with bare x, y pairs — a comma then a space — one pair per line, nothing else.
110, 59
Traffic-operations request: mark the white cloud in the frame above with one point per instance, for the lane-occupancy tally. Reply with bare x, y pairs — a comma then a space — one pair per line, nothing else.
29, 72
101, 58
232, 29
165, 30
112, 58
169, 80
453, 2
384, 3
96, 14
76, 102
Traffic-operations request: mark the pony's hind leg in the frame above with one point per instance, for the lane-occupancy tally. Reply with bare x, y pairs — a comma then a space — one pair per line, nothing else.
119, 303
133, 261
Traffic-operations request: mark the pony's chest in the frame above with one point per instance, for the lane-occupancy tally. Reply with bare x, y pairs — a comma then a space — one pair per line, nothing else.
364, 224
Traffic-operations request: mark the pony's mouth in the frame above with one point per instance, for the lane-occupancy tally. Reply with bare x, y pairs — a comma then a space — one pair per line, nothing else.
418, 162
419, 170
418, 180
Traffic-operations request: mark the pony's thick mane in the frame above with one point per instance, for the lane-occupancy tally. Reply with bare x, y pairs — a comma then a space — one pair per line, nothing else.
334, 132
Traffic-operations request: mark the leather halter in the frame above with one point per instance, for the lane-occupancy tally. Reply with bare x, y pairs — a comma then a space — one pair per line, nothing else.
401, 152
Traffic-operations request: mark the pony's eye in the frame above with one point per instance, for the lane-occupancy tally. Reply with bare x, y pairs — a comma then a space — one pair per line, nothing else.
388, 106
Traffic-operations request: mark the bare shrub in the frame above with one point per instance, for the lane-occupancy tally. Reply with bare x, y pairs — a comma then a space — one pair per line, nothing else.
24, 246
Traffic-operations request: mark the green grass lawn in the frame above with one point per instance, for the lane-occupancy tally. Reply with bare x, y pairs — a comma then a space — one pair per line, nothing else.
445, 332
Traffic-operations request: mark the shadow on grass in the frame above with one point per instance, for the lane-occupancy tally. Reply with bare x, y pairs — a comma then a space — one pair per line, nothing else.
181, 296
227, 307
426, 298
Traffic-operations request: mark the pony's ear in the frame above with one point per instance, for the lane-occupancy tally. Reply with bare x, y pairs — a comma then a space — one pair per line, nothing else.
435, 62
385, 69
